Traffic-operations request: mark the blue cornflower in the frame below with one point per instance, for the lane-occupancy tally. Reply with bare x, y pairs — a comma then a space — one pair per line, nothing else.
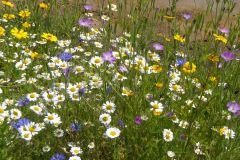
75, 126
81, 91
23, 101
58, 156
121, 123
181, 61
20, 123
65, 56
109, 90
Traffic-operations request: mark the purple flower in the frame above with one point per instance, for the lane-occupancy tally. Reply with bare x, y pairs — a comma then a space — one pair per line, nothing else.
88, 7
170, 114
138, 120
58, 156
234, 108
23, 101
20, 123
114, 45
187, 15
108, 56
224, 30
181, 61
123, 68
121, 123
75, 126
182, 136
65, 56
67, 71
227, 56
85, 22
158, 47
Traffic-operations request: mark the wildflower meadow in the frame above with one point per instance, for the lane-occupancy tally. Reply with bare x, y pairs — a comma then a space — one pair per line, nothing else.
119, 80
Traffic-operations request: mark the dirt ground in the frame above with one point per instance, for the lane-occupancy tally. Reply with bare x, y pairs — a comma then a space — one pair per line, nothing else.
183, 6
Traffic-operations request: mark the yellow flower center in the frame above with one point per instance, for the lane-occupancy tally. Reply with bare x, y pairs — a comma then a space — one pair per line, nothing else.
108, 107
113, 133
1, 110
50, 117
105, 119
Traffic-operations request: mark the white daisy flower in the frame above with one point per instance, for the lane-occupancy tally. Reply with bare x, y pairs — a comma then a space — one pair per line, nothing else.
109, 107
105, 118
113, 132
15, 114
26, 135
52, 118
72, 89
32, 96
58, 133
167, 135
96, 61
76, 150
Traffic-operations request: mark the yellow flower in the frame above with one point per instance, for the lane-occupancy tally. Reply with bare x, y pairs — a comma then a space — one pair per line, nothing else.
221, 130
213, 79
26, 25
24, 13
44, 6
167, 39
35, 55
9, 16
213, 58
49, 37
1, 31
157, 68
179, 38
156, 113
9, 4
126, 92
169, 18
220, 38
159, 85
189, 68
19, 34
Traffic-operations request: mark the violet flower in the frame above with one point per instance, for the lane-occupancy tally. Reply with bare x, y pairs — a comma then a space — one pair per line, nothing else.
158, 47
88, 7
187, 16
108, 56
85, 22
67, 71
123, 68
169, 115
227, 56
182, 137
114, 45
234, 108
224, 30
138, 120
